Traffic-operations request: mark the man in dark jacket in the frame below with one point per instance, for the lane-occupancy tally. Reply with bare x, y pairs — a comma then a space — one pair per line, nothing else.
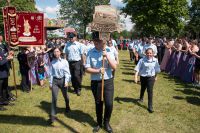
5, 59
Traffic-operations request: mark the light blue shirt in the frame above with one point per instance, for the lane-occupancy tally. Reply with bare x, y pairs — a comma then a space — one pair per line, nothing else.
83, 48
73, 51
148, 67
60, 69
114, 43
89, 47
146, 46
94, 60
131, 45
139, 49
113, 52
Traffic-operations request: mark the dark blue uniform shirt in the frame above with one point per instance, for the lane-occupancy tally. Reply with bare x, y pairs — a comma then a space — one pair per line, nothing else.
4, 63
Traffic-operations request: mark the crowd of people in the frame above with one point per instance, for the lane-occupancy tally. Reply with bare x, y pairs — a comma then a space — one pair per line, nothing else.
65, 61
177, 57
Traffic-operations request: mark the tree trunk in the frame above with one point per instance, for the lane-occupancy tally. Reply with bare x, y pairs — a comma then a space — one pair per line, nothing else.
84, 32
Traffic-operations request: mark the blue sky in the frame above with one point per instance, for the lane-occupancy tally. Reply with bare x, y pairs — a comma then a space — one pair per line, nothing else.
51, 8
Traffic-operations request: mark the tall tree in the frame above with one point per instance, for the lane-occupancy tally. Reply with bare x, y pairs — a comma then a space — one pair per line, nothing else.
79, 13
157, 17
194, 23
21, 5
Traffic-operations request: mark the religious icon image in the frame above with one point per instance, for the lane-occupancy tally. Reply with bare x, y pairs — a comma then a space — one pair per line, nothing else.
27, 28
27, 37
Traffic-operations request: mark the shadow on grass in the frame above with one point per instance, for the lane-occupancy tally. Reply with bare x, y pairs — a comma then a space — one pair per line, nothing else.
77, 115
67, 126
190, 99
128, 73
129, 63
128, 80
86, 87
130, 69
129, 100
81, 117
189, 91
125, 60
23, 120
13, 87
128, 66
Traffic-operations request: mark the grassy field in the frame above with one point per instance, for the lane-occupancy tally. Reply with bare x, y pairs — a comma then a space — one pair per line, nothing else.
176, 105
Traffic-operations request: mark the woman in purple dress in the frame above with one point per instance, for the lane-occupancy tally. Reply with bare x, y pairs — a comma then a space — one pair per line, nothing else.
174, 59
168, 51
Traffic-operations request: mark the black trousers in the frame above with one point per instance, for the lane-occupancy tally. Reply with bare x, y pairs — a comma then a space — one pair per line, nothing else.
25, 83
108, 99
76, 74
159, 55
147, 83
4, 92
136, 61
58, 84
131, 55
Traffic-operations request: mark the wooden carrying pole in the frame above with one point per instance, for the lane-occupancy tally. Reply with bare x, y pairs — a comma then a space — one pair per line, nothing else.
102, 82
103, 65
13, 68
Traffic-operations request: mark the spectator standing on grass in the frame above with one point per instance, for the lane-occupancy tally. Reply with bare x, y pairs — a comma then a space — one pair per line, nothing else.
24, 69
41, 66
197, 67
114, 43
5, 58
115, 53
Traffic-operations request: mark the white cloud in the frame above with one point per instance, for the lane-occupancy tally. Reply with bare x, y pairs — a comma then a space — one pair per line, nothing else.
128, 25
120, 1
42, 10
52, 10
39, 8
117, 3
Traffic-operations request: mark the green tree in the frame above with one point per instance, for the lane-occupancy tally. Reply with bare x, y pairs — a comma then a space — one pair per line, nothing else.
157, 17
79, 13
194, 23
21, 5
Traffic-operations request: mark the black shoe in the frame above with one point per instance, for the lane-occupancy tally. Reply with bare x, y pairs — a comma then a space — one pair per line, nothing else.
52, 119
150, 110
67, 109
107, 127
97, 128
10, 104
140, 100
2, 108
12, 99
7, 103
78, 93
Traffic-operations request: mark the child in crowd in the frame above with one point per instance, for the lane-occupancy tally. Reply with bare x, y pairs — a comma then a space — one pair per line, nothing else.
41, 66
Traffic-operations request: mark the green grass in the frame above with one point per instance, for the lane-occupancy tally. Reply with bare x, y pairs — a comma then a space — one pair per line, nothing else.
176, 105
